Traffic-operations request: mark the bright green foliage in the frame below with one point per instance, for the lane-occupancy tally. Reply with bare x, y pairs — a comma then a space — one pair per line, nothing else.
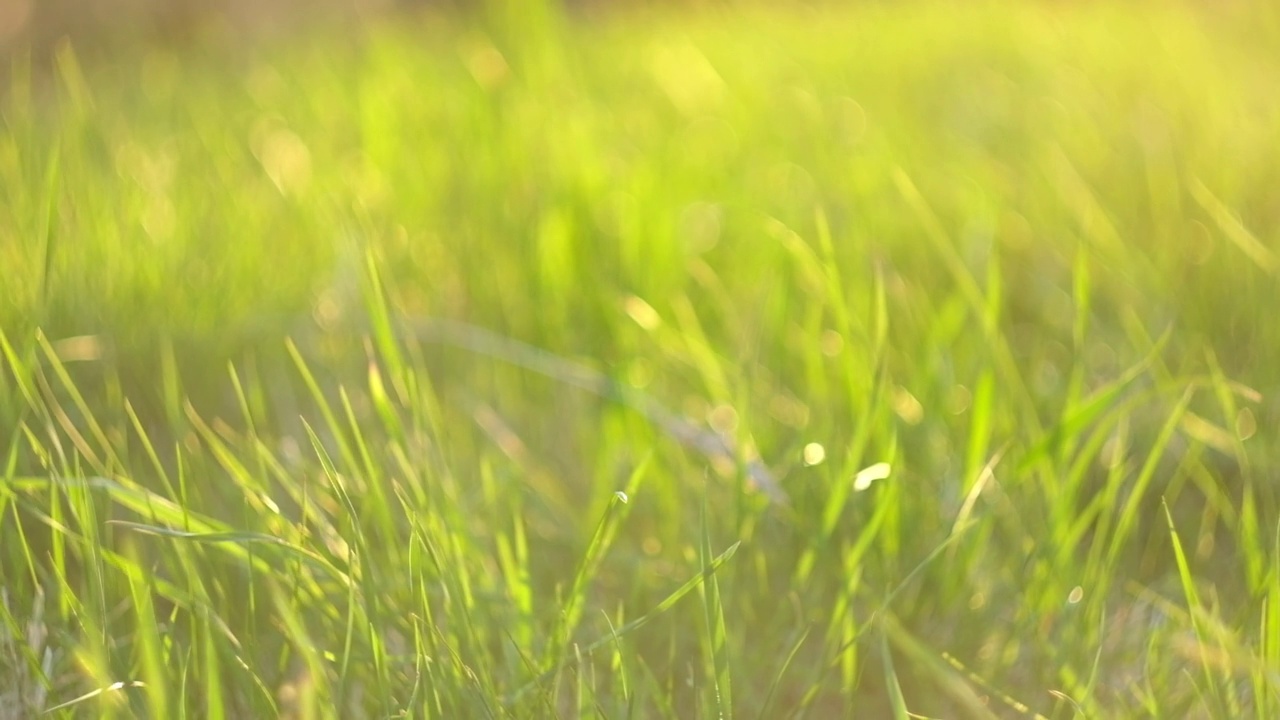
986, 288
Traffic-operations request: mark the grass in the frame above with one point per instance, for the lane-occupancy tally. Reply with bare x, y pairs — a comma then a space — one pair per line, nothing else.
440, 368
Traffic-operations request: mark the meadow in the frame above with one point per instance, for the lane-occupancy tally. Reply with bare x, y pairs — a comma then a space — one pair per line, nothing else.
884, 360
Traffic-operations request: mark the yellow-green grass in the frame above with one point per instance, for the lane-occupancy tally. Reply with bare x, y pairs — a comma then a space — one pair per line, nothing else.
1024, 254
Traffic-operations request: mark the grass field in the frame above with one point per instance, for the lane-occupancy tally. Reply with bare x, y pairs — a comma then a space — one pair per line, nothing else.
909, 359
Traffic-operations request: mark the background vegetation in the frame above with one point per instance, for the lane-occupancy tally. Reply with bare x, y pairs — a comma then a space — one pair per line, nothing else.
1020, 258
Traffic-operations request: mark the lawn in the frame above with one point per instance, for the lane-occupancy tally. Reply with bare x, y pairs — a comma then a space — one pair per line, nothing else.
890, 360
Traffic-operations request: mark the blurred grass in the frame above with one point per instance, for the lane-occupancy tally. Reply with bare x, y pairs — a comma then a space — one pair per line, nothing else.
1022, 253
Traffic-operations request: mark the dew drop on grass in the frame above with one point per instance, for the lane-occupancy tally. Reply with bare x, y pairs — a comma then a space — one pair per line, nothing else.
723, 419
1246, 424
651, 545
907, 406
814, 454
959, 399
867, 476
271, 504
641, 312
622, 497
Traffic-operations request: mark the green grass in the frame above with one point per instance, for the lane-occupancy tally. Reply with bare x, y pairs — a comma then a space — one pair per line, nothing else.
1026, 255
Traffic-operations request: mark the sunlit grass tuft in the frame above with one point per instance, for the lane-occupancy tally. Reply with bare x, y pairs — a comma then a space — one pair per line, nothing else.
889, 361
